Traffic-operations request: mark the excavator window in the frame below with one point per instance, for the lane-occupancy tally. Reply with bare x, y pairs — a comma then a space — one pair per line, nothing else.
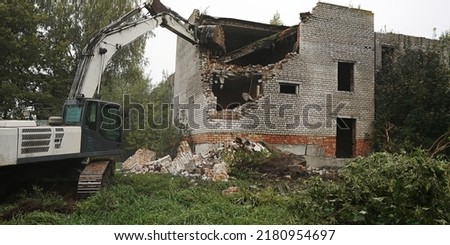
72, 115
91, 116
111, 123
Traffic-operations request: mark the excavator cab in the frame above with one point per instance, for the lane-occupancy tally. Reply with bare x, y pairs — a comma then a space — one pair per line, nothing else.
100, 122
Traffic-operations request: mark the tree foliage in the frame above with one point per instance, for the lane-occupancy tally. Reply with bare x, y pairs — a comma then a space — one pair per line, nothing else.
276, 19
42, 45
158, 134
23, 70
412, 102
62, 53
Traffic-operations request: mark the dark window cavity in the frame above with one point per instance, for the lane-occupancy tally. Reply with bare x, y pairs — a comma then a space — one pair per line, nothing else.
345, 76
235, 91
288, 88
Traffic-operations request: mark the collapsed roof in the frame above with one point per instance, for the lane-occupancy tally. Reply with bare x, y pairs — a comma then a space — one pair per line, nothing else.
243, 42
238, 42
240, 55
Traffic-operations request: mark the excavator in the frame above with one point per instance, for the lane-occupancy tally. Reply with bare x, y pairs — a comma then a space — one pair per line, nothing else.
89, 133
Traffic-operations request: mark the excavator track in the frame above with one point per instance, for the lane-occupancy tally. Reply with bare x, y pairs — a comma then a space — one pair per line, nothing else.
95, 175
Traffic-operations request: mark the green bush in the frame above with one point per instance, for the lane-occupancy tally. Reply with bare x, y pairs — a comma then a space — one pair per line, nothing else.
242, 162
381, 189
412, 102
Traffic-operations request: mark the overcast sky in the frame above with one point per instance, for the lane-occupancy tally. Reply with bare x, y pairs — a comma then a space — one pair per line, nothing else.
411, 17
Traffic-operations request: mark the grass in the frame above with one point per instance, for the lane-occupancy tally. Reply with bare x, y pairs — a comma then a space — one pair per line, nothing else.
380, 189
156, 199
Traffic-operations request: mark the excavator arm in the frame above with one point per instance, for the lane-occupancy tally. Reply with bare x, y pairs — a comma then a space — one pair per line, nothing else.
102, 47
100, 121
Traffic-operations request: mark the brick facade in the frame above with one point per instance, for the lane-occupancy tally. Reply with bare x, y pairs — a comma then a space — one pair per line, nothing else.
326, 143
331, 40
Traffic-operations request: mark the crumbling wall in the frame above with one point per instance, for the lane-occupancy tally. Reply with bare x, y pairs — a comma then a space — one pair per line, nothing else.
299, 88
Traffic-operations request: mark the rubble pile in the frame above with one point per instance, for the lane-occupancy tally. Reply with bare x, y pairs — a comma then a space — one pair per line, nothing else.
211, 166
231, 70
139, 159
185, 164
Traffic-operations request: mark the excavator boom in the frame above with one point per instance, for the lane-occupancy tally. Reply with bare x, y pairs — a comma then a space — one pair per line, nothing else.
105, 43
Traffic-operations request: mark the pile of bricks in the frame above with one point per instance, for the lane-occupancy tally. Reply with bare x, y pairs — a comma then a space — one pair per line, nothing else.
185, 164
211, 166
208, 166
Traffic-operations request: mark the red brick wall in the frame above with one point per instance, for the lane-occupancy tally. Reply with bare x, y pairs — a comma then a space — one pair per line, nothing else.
328, 143
363, 147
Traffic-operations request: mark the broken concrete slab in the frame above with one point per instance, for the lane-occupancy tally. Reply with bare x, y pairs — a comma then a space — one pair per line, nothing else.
243, 24
213, 37
264, 43
244, 42
296, 149
315, 151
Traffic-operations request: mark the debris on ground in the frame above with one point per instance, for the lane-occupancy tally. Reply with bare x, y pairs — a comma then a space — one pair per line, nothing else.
231, 190
139, 159
185, 164
213, 166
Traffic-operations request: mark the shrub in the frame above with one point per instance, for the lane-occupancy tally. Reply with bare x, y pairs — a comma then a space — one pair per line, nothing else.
242, 162
381, 189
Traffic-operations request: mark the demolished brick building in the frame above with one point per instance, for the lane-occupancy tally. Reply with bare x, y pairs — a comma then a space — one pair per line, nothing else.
307, 89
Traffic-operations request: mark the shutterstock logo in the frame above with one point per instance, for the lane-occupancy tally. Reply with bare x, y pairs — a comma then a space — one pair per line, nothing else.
262, 114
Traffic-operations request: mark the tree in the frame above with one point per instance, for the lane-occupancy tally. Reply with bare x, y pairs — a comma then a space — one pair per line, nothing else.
86, 19
276, 19
42, 45
61, 54
125, 73
159, 133
412, 102
22, 71
444, 40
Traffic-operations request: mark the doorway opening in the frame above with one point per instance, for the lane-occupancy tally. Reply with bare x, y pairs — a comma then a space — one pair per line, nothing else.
345, 137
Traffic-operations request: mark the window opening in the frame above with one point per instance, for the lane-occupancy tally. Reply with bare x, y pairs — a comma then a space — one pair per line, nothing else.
345, 76
91, 116
288, 88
